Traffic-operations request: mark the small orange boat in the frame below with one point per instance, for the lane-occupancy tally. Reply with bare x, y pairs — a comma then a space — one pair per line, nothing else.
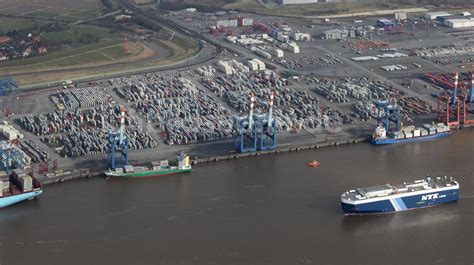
313, 163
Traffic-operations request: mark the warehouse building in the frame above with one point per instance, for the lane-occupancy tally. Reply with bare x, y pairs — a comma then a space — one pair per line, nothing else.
459, 23
294, 2
435, 15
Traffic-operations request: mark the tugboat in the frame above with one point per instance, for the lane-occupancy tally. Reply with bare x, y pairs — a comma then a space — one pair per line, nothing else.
313, 163
154, 169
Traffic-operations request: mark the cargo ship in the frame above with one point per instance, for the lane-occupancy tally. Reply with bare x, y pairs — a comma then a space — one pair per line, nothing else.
410, 134
155, 169
393, 198
17, 187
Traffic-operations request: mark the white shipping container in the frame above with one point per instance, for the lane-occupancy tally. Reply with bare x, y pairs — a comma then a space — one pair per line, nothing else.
222, 23
247, 22
424, 132
252, 65
416, 133
408, 134
233, 23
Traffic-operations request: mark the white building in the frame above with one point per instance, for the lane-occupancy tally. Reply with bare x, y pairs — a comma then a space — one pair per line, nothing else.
278, 53
434, 15
298, 36
225, 67
294, 2
459, 23
292, 47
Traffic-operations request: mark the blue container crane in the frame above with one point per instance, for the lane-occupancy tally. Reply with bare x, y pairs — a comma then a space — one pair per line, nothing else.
266, 128
118, 142
245, 128
468, 103
449, 105
9, 157
390, 119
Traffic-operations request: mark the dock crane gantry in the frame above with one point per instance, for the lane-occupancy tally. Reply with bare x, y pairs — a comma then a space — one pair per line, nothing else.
9, 156
391, 115
245, 128
118, 142
468, 102
266, 127
449, 105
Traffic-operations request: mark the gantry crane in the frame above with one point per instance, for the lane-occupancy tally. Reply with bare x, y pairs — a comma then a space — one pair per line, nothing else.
468, 102
449, 105
244, 126
266, 127
390, 119
9, 156
118, 142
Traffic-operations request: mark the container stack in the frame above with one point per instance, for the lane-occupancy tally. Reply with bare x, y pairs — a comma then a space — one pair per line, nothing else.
4, 183
23, 181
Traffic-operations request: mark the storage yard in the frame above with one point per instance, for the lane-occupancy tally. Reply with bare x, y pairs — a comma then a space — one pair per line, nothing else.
325, 81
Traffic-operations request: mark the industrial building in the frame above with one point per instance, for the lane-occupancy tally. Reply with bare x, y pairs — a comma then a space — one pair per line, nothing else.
294, 2
459, 23
256, 65
400, 16
9, 132
294, 48
337, 34
435, 15
225, 67
299, 36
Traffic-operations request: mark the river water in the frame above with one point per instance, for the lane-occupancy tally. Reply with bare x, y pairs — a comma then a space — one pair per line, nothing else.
260, 210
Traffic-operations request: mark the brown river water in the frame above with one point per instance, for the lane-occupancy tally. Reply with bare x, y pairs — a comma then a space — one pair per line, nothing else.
261, 210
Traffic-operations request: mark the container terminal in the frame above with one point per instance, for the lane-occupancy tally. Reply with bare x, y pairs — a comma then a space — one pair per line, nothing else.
273, 84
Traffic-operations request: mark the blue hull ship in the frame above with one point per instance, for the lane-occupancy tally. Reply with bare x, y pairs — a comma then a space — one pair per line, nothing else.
393, 198
410, 134
17, 187
408, 140
12, 199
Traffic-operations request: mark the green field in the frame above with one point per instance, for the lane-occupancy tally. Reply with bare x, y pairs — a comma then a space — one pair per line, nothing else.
254, 6
85, 53
8, 24
63, 14
183, 43
78, 32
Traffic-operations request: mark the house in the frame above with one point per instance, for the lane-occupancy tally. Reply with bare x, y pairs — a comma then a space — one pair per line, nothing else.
4, 39
42, 50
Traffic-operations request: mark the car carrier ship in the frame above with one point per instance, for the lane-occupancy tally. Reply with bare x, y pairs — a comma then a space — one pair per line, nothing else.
410, 134
393, 198
155, 169
17, 187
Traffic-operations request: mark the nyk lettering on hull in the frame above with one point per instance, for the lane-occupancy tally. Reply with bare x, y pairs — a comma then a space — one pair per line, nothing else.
429, 197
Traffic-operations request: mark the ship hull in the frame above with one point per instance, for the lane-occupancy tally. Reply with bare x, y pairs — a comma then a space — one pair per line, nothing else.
396, 203
147, 174
408, 140
13, 199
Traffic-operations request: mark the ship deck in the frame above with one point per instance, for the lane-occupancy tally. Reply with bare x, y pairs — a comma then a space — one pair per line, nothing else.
407, 187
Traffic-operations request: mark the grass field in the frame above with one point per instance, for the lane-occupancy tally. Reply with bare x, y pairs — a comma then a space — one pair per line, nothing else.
18, 7
56, 58
254, 6
75, 33
8, 24
69, 10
